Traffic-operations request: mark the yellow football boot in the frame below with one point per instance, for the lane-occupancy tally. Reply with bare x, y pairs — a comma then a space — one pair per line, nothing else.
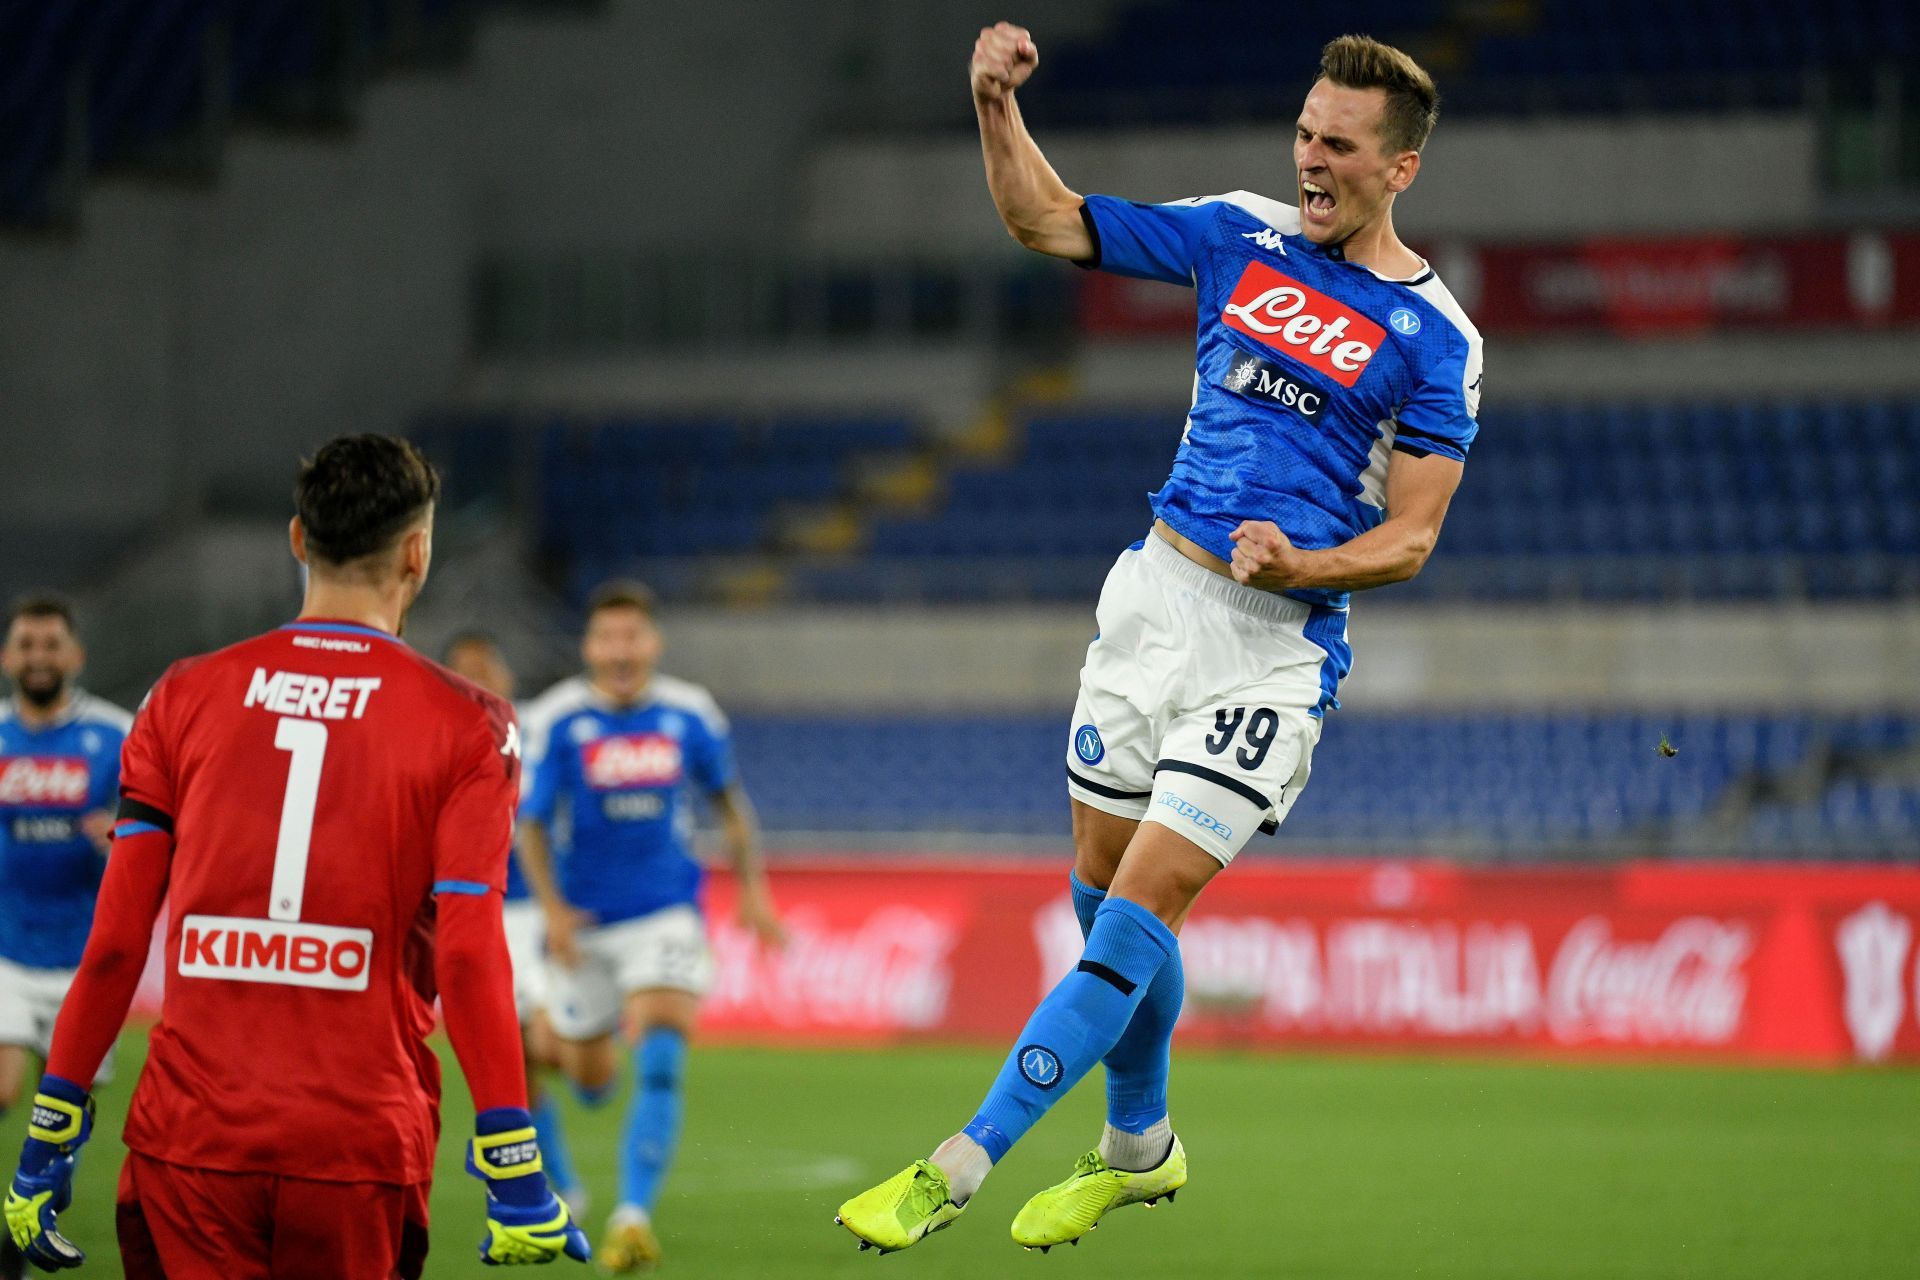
1068, 1210
901, 1211
628, 1248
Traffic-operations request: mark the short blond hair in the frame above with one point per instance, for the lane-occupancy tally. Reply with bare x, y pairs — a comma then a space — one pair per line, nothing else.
1413, 104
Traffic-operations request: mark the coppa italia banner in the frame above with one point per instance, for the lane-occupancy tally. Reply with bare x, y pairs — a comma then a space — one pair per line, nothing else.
1724, 961
1624, 284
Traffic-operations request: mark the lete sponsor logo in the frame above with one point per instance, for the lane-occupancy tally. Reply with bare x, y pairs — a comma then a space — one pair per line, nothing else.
1303, 323
1688, 986
28, 780
891, 971
1873, 944
633, 760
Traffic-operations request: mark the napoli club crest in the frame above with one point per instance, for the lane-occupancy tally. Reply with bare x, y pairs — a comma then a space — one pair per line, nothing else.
1040, 1065
1087, 744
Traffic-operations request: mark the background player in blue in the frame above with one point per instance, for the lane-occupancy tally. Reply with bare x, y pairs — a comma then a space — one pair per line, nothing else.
475, 655
59, 783
616, 758
1335, 387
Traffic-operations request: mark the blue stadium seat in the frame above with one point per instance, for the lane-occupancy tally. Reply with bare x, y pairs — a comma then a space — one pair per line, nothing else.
1487, 782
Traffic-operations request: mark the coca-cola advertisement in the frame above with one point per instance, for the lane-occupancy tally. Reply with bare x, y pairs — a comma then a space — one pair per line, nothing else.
1764, 964
1625, 285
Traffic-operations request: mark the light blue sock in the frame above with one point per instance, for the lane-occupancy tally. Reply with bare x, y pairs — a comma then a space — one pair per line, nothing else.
653, 1116
1139, 1061
1078, 1022
554, 1152
594, 1096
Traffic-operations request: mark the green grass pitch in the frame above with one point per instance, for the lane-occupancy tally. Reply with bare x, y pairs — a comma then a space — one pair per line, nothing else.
1303, 1167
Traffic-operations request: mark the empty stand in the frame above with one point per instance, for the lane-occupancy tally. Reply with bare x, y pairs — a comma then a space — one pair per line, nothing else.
1493, 783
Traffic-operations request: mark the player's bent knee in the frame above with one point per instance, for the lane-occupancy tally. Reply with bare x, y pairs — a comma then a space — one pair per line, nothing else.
1164, 871
13, 1074
1100, 840
593, 1070
663, 1056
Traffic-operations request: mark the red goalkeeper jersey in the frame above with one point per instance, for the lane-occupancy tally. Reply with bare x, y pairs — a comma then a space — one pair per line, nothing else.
322, 784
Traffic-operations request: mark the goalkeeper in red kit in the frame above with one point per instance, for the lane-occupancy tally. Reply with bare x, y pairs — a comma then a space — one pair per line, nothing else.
328, 815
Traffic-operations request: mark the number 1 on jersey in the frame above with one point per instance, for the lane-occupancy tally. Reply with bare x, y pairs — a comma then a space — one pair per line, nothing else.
307, 740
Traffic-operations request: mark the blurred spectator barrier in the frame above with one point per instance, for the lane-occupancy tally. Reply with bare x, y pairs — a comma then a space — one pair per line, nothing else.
1619, 284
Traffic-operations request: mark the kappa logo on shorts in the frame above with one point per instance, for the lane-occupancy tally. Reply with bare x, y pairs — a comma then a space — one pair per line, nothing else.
1087, 744
1040, 1065
1195, 814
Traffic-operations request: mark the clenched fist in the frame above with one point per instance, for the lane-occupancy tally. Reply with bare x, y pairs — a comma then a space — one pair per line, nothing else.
1003, 57
1264, 557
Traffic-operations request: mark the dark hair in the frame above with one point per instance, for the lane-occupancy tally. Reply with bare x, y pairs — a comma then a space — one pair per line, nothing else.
471, 636
358, 494
42, 604
1413, 104
621, 593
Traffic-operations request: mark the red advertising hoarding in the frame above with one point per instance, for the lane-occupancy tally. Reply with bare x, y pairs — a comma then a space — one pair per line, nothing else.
1721, 961
1626, 285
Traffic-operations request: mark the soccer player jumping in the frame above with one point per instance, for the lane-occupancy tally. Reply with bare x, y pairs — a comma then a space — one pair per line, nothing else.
1336, 383
328, 815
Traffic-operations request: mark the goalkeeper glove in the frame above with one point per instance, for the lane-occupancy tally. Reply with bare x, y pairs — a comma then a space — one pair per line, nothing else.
43, 1188
526, 1222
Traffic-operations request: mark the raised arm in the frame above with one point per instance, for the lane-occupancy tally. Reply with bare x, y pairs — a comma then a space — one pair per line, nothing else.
1038, 209
1419, 488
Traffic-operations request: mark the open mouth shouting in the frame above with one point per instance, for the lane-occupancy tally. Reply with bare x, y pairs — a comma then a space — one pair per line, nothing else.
1317, 203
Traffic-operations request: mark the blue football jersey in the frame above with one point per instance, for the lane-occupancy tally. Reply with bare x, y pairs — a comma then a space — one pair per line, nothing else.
49, 870
1309, 371
614, 787
517, 888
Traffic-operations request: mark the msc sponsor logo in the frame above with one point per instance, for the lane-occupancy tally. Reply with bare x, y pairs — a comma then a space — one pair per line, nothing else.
1404, 322
632, 760
1303, 323
45, 828
289, 953
289, 693
1268, 238
1195, 814
1087, 744
1259, 379
26, 780
1040, 1065
633, 806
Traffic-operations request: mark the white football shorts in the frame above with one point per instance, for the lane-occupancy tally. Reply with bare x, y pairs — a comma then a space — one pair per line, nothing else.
526, 926
30, 1000
1199, 701
667, 949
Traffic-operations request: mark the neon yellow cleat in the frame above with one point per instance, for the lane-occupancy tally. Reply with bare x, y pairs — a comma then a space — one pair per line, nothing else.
1068, 1210
900, 1212
629, 1247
